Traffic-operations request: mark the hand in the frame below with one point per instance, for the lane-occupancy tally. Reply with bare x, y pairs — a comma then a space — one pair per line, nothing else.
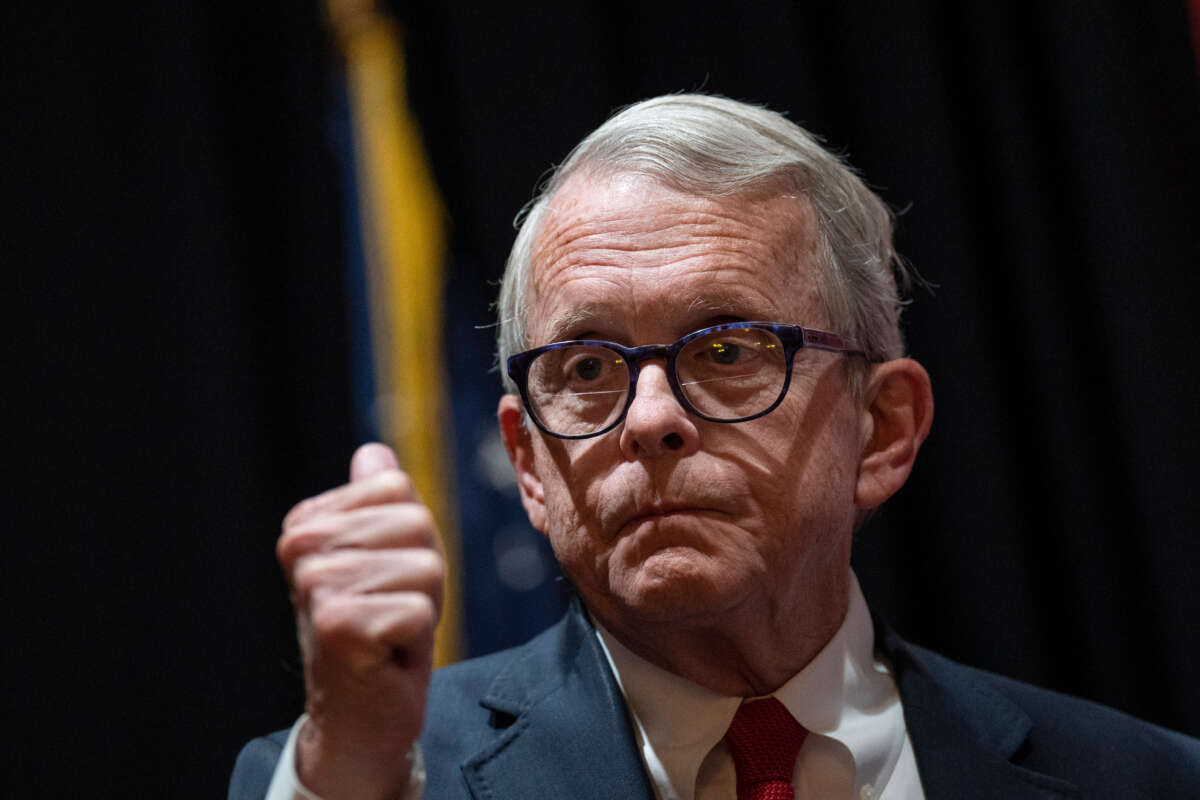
366, 573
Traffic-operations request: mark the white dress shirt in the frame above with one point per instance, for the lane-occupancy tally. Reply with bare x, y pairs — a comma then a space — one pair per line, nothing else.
857, 747
285, 783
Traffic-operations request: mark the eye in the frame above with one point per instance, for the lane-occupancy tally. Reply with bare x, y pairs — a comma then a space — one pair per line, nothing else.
738, 349
725, 352
589, 368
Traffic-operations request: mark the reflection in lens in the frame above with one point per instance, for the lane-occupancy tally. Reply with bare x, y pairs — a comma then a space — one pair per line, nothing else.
579, 389
733, 373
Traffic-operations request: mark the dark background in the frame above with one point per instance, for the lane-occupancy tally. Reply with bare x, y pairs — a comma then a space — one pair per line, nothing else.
180, 350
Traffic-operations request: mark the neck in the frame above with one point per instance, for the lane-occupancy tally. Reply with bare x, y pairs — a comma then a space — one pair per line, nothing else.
747, 651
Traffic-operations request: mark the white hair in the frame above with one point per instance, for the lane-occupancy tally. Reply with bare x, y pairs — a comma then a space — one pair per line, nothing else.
713, 146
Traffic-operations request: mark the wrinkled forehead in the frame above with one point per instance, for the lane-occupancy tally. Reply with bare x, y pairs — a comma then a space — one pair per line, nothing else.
622, 244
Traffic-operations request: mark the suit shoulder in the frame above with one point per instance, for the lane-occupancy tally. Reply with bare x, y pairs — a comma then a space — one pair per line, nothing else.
1082, 736
255, 765
1046, 705
473, 677
472, 703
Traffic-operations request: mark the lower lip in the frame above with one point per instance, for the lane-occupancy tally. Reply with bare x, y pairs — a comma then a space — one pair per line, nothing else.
665, 515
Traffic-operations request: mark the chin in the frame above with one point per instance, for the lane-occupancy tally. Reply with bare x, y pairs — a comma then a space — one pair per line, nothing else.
675, 583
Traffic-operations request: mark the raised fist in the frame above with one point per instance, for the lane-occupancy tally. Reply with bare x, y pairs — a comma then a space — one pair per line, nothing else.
366, 571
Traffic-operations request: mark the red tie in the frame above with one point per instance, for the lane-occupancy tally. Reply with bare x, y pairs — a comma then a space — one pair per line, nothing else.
764, 739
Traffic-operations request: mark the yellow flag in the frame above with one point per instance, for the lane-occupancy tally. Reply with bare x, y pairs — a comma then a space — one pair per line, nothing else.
403, 234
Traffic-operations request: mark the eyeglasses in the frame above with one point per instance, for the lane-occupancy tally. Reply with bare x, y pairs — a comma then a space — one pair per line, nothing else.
734, 372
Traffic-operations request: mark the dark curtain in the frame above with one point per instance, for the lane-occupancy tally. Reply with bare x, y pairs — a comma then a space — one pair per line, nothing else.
174, 269
179, 349
1044, 163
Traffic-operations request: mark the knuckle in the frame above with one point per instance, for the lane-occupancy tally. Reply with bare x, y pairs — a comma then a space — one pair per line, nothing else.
427, 611
394, 484
287, 550
332, 618
422, 611
302, 511
307, 575
422, 520
297, 511
431, 565
294, 544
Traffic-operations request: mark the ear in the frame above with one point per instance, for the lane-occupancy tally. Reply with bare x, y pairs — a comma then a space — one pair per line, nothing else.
519, 444
897, 412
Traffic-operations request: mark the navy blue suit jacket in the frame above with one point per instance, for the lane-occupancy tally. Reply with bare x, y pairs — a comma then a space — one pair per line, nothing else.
547, 720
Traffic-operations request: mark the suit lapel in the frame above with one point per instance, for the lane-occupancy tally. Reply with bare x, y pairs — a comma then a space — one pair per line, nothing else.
965, 735
560, 699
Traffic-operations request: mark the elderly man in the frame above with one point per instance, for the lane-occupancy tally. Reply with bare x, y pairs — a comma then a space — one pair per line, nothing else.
707, 395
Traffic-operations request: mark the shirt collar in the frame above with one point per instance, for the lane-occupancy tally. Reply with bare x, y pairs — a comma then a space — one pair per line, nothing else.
843, 693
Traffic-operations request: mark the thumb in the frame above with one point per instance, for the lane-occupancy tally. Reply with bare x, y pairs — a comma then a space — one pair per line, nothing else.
370, 459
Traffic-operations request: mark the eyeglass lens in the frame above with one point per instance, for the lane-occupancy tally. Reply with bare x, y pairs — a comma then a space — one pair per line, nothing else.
724, 375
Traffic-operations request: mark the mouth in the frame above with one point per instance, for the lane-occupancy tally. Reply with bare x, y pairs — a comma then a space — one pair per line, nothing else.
659, 512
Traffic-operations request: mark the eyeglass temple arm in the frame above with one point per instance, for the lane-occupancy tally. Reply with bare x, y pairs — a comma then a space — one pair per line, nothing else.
824, 340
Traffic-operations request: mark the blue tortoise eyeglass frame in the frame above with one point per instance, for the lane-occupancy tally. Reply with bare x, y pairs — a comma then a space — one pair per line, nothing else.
793, 338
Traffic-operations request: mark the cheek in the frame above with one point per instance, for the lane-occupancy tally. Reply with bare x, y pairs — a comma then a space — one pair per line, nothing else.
571, 500
562, 515
805, 470
581, 485
567, 538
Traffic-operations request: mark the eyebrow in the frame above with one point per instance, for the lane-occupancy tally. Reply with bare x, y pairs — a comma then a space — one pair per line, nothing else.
575, 319
703, 310
721, 304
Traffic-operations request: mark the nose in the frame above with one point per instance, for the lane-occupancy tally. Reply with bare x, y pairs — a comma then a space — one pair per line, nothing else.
656, 425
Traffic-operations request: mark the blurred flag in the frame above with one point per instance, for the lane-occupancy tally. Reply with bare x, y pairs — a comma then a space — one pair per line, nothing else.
396, 252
